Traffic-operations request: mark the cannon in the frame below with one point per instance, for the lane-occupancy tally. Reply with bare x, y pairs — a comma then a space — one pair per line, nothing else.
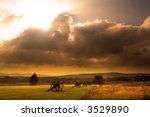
56, 86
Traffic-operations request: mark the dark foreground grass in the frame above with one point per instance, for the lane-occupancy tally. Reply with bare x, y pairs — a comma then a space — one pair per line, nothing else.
39, 93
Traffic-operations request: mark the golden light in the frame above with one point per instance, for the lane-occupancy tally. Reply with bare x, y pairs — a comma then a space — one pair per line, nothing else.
39, 13
34, 13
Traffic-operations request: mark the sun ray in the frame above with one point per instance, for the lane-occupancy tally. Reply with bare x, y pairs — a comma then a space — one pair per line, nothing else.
34, 13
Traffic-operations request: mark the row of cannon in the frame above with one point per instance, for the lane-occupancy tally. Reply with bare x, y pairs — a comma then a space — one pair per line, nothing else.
58, 86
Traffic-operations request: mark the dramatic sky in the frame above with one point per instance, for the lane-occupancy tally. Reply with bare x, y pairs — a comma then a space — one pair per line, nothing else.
74, 36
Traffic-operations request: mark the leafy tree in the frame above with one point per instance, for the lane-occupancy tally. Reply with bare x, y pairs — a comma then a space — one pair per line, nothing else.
33, 79
98, 80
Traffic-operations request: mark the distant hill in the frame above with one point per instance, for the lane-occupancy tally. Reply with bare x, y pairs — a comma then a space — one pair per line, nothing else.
105, 75
90, 75
19, 74
16, 78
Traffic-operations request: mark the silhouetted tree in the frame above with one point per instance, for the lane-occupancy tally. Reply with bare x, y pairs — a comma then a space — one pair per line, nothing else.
140, 78
33, 79
98, 80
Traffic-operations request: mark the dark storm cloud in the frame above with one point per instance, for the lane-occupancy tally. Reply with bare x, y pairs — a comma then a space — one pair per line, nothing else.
111, 43
98, 43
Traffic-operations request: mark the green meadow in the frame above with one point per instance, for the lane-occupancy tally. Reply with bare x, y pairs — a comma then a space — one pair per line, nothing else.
38, 92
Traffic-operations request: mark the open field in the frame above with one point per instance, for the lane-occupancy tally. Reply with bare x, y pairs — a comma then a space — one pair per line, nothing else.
38, 92
126, 91
135, 91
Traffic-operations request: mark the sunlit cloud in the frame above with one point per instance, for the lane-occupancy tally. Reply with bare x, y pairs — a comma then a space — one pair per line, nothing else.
146, 23
33, 13
71, 36
99, 44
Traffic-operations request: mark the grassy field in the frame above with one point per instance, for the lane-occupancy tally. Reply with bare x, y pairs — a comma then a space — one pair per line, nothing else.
39, 93
127, 91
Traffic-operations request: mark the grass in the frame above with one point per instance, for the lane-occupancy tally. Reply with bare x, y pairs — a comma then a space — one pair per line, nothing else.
119, 92
38, 93
127, 91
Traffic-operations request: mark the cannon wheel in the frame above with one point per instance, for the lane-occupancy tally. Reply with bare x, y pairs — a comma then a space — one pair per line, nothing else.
61, 86
56, 86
